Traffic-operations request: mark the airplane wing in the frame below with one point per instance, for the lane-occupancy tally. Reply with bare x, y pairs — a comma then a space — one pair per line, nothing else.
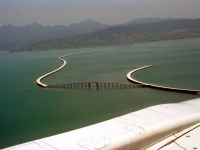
164, 127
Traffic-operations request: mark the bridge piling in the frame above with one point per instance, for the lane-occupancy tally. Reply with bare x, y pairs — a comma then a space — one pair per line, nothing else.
78, 85
97, 85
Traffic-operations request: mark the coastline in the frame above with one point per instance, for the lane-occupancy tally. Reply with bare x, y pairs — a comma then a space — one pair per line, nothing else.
116, 44
4, 51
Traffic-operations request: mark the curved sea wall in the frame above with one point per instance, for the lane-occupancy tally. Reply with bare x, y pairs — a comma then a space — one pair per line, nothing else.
38, 81
158, 86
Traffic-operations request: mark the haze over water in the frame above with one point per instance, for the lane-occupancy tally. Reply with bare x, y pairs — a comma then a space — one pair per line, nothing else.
29, 112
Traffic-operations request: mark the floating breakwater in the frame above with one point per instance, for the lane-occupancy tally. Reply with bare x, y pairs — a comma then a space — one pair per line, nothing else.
157, 86
38, 81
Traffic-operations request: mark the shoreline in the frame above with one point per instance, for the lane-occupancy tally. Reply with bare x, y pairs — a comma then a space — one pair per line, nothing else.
117, 44
4, 51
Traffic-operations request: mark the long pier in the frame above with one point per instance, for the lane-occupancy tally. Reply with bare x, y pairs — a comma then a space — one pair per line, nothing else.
158, 86
38, 81
97, 85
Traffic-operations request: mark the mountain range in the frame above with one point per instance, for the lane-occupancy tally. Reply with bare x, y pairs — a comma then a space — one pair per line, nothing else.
150, 20
91, 33
17, 36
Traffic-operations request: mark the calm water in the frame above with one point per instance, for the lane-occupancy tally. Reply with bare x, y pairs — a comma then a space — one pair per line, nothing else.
28, 112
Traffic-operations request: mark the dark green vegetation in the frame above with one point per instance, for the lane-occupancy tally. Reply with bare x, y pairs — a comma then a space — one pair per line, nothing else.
36, 37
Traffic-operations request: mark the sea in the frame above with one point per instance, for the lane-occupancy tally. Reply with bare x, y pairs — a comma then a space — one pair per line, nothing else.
29, 112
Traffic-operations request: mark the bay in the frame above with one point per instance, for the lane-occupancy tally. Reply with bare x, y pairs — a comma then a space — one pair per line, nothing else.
29, 112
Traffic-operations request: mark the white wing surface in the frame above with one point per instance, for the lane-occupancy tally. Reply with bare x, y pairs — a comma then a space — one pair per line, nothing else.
165, 127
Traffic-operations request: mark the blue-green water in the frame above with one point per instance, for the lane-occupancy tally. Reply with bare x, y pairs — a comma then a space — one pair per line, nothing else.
28, 112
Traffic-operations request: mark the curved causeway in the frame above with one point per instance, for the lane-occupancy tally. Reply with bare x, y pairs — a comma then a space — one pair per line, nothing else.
157, 86
38, 81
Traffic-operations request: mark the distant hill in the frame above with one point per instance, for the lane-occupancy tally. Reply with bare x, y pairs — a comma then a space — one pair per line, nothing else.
164, 30
12, 36
127, 33
150, 20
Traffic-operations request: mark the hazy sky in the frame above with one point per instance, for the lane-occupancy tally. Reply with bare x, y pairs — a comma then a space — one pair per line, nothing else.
65, 12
